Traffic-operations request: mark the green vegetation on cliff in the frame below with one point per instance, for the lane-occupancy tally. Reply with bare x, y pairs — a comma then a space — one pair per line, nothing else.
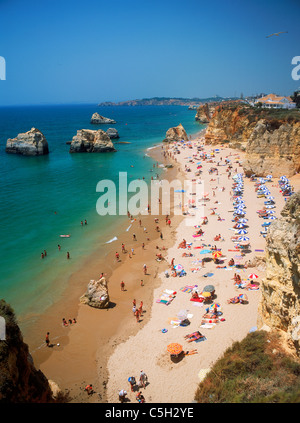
255, 370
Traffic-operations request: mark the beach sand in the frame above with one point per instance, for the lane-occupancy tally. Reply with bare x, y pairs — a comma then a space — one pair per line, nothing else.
176, 382
105, 347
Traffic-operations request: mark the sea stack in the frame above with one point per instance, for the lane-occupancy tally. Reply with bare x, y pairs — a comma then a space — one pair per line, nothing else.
97, 119
31, 143
89, 141
112, 133
97, 294
176, 133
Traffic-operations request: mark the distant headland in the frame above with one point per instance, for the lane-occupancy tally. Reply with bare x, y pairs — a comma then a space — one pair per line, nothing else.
166, 101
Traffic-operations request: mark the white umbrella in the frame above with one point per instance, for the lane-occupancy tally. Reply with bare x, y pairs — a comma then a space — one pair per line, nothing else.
243, 238
242, 232
243, 220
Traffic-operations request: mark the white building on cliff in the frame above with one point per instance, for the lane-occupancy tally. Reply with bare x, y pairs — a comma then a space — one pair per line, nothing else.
272, 101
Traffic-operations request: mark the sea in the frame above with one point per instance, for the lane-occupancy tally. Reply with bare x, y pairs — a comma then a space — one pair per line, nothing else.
47, 196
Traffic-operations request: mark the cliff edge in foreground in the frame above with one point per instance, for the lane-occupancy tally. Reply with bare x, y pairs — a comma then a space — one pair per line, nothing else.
20, 381
280, 304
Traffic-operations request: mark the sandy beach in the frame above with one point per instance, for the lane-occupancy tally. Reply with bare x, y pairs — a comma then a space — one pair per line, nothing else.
176, 382
106, 347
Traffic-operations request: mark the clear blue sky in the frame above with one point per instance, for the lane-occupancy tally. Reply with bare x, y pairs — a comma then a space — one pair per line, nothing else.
93, 50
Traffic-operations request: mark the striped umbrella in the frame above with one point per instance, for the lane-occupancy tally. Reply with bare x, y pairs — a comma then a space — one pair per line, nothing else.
216, 254
174, 348
253, 276
215, 306
240, 225
243, 220
243, 238
272, 218
242, 232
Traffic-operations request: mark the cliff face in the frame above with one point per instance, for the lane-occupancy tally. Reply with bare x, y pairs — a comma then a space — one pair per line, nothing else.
30, 143
280, 303
176, 133
89, 141
20, 382
205, 112
273, 150
271, 139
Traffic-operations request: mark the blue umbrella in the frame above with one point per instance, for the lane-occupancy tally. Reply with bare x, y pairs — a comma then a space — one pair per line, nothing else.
242, 232
272, 218
243, 238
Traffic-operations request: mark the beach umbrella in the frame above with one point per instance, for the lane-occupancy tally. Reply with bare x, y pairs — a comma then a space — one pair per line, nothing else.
253, 276
208, 288
182, 314
174, 348
272, 218
244, 243
270, 212
270, 197
269, 176
206, 294
243, 238
243, 297
270, 207
178, 267
240, 225
266, 224
243, 220
215, 306
241, 212
242, 232
216, 254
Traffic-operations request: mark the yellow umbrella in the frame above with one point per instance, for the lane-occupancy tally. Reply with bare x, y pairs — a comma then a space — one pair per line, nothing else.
206, 294
216, 254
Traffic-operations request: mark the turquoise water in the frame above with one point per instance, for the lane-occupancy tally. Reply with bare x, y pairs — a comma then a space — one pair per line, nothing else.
43, 197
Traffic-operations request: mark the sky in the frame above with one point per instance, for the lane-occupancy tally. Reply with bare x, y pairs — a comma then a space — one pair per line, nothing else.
63, 51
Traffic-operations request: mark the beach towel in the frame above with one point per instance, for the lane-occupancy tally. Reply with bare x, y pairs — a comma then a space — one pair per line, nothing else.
204, 251
207, 275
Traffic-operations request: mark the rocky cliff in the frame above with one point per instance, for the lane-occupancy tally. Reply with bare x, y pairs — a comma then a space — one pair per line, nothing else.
96, 294
89, 141
280, 303
271, 138
30, 143
20, 382
176, 133
205, 112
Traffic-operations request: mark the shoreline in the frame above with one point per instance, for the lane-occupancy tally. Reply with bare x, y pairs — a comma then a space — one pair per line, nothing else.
53, 363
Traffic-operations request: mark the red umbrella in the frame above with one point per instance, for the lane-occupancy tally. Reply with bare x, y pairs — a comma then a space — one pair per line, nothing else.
253, 276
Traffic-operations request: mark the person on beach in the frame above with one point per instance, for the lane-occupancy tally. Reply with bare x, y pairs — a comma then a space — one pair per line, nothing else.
142, 282
117, 256
89, 389
134, 310
143, 246
47, 340
132, 382
134, 237
68, 255
123, 248
45, 253
122, 395
143, 378
85, 222
161, 235
81, 223
64, 322
145, 269
137, 315
42, 255
58, 247
132, 251
141, 308
122, 286
74, 320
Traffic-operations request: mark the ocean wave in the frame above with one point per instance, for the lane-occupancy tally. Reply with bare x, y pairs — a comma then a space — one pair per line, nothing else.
111, 240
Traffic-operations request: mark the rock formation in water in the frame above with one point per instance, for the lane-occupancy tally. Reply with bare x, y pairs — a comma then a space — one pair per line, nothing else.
280, 304
112, 133
97, 294
89, 141
97, 119
176, 133
31, 143
271, 138
20, 381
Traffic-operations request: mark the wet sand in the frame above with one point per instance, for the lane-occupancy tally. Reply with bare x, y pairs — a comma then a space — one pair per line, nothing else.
81, 358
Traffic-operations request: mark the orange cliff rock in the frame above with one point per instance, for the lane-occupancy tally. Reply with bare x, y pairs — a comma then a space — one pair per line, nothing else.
271, 138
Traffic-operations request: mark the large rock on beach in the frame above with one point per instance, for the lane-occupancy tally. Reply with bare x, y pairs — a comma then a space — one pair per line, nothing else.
97, 294
112, 133
98, 119
30, 143
176, 133
89, 141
